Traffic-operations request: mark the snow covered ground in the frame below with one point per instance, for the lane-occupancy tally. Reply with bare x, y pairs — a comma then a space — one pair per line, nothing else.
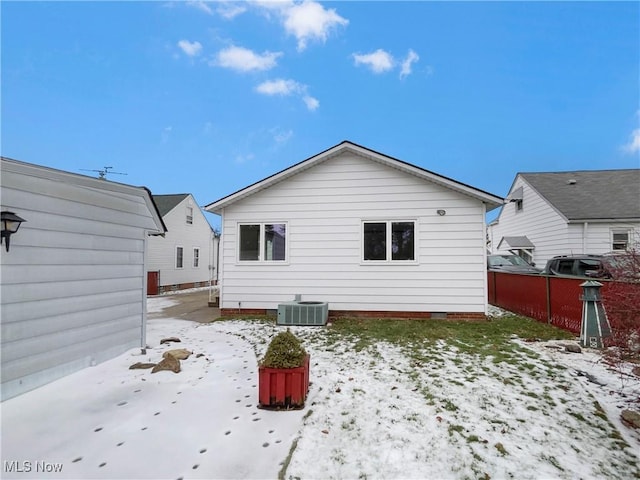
373, 413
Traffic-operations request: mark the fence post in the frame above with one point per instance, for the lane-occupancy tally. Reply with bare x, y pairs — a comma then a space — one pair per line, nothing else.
547, 280
595, 324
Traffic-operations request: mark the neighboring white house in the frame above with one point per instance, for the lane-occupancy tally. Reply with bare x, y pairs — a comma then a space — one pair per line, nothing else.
73, 284
365, 232
186, 256
564, 213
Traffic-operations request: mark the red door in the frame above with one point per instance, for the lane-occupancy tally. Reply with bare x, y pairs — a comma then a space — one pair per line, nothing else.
152, 283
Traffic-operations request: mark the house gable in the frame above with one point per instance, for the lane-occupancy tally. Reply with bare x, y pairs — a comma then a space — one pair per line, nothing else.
492, 201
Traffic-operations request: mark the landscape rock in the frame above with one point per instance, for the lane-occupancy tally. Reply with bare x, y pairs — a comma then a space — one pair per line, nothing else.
169, 340
178, 353
141, 365
572, 348
631, 418
168, 363
636, 371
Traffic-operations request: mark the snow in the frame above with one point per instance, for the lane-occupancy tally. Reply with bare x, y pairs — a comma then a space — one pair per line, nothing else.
371, 413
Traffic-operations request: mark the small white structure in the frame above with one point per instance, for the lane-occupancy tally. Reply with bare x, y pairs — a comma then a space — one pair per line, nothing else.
365, 232
73, 285
186, 256
565, 213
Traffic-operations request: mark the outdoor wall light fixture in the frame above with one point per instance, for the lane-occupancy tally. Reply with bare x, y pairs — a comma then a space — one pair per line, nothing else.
10, 225
442, 213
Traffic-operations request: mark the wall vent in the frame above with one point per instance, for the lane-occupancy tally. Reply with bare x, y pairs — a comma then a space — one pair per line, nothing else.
303, 313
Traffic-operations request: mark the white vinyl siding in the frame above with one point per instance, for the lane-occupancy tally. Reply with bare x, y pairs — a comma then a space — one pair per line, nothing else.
324, 208
73, 283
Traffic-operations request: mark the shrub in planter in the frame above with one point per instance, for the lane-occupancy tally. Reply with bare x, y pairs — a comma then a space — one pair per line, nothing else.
283, 373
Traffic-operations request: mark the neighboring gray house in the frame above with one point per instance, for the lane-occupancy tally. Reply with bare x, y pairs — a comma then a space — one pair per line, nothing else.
365, 232
186, 256
73, 284
563, 213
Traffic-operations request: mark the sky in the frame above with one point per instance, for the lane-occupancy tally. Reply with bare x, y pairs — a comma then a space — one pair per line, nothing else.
209, 97
381, 414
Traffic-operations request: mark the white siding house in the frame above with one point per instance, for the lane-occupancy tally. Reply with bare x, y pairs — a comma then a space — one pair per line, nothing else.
186, 256
565, 213
73, 284
367, 233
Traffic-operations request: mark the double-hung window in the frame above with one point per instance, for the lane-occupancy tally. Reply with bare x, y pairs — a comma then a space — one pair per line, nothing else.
262, 242
179, 257
619, 239
196, 257
388, 241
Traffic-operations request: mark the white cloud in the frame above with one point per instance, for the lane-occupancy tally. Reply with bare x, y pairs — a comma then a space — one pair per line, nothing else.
281, 137
240, 159
200, 5
279, 87
311, 103
307, 20
230, 10
378, 61
634, 143
245, 60
190, 48
166, 133
283, 88
411, 58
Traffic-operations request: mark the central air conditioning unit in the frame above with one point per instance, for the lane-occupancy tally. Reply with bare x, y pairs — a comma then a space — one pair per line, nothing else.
303, 313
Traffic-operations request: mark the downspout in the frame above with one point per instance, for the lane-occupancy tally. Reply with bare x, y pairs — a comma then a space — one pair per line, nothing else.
220, 264
484, 259
585, 241
143, 326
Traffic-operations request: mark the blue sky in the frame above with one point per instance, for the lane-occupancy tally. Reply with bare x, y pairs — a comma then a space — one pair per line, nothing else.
209, 97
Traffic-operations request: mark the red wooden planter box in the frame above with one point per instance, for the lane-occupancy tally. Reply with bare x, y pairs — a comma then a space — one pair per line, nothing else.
283, 388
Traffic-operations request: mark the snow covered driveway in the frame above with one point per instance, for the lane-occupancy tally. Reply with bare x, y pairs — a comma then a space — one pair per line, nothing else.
434, 412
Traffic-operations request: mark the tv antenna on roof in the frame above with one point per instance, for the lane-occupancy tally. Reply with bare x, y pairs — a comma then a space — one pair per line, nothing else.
102, 174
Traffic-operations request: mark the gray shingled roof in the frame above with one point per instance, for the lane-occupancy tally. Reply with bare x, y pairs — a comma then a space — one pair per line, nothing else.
592, 194
166, 203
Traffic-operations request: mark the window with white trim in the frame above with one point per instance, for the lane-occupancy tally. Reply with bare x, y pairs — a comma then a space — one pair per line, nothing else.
196, 257
190, 215
262, 242
619, 239
179, 257
388, 241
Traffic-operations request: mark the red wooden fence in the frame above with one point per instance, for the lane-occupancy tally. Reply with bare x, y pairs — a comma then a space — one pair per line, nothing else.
557, 300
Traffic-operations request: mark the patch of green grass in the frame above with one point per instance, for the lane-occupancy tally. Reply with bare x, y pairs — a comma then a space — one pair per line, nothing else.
577, 416
553, 461
422, 339
455, 428
501, 449
473, 439
449, 405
